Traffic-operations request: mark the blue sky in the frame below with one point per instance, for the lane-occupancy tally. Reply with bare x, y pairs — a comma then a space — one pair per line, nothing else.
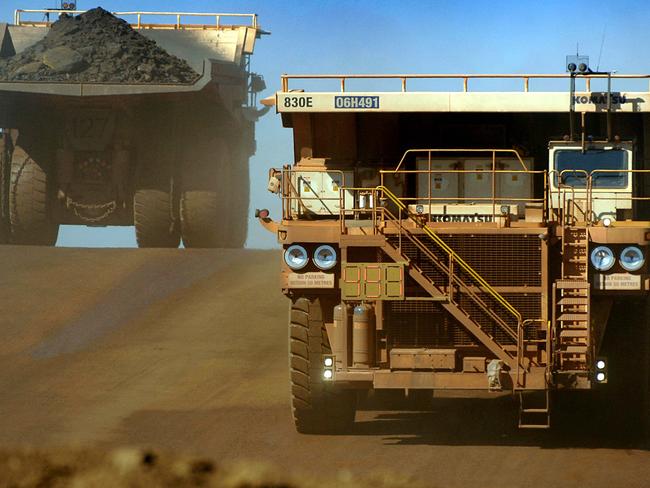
364, 36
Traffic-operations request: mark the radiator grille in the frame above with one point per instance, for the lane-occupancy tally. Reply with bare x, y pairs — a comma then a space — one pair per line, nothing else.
414, 323
424, 324
501, 259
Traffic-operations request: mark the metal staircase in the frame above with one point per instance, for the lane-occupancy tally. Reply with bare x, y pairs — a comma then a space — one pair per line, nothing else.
571, 303
478, 297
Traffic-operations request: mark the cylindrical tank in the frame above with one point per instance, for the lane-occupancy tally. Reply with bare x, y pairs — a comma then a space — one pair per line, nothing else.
363, 336
339, 339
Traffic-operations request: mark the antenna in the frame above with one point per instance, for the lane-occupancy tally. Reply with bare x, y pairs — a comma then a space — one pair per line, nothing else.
602, 43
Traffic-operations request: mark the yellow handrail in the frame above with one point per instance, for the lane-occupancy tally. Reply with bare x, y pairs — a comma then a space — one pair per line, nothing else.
456, 257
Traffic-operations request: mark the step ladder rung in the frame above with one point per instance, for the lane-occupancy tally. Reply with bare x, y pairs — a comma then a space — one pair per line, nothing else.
573, 301
564, 284
534, 410
573, 317
578, 260
535, 426
574, 349
574, 333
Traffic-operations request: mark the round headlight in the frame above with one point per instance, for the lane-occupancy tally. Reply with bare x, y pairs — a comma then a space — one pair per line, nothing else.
325, 257
602, 258
632, 258
296, 257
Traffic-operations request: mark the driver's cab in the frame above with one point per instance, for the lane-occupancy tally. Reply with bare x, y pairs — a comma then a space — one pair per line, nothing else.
594, 182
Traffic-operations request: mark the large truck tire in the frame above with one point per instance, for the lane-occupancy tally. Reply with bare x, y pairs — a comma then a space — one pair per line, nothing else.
200, 219
30, 211
239, 214
206, 197
5, 179
318, 407
155, 225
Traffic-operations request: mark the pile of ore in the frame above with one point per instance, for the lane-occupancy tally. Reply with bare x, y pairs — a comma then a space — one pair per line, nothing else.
96, 47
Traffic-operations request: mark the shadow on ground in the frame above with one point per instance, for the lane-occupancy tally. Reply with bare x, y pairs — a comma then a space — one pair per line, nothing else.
579, 420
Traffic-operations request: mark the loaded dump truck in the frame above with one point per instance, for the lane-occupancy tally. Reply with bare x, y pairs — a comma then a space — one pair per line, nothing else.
465, 240
148, 122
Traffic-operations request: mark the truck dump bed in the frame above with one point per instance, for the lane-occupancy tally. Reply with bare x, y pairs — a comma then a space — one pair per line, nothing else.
212, 50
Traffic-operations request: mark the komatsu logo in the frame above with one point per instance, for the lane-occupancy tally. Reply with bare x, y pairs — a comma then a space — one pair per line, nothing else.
462, 218
599, 99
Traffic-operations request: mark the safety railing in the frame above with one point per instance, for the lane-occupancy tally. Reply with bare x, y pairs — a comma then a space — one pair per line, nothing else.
297, 203
178, 19
583, 194
464, 78
544, 325
365, 208
495, 197
566, 199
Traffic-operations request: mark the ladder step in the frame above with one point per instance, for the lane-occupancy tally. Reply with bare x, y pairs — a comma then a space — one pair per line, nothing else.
576, 244
573, 301
564, 284
574, 350
534, 426
534, 410
574, 333
578, 260
573, 317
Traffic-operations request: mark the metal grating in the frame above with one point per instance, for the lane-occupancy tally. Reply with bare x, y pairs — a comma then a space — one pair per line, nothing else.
414, 323
424, 324
501, 259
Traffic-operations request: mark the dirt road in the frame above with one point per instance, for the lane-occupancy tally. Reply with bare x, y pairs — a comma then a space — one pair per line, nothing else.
186, 352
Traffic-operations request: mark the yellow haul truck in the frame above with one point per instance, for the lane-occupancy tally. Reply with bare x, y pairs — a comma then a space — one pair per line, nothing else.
464, 240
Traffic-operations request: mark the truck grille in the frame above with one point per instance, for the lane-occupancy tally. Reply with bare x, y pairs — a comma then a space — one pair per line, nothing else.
501, 259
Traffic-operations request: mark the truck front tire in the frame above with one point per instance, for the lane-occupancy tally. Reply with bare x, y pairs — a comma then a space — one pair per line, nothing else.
318, 407
30, 200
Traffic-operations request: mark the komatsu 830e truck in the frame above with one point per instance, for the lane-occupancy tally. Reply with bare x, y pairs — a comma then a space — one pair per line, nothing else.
170, 158
464, 240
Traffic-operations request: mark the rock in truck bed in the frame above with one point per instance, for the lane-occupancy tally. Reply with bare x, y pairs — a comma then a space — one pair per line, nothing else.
96, 47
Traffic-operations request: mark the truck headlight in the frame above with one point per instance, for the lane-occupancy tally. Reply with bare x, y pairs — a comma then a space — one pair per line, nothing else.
325, 257
632, 258
296, 257
602, 258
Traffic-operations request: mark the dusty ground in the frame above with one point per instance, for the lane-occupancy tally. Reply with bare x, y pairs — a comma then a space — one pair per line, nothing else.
185, 353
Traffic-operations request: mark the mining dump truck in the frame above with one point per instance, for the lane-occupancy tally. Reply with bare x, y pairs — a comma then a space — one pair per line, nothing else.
465, 240
169, 157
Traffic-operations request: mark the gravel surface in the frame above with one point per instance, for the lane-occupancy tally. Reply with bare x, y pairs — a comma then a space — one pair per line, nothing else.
96, 47
130, 467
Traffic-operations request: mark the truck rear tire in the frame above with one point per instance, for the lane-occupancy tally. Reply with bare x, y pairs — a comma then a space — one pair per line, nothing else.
215, 187
200, 219
5, 178
153, 217
30, 211
318, 407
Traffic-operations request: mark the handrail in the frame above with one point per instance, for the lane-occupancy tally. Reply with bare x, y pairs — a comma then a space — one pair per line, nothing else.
178, 16
465, 77
431, 151
452, 254
452, 277
289, 193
